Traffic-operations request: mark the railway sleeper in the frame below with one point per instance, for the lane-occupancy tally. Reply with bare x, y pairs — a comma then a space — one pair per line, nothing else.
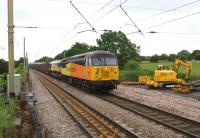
168, 120
160, 117
151, 113
194, 129
184, 126
177, 123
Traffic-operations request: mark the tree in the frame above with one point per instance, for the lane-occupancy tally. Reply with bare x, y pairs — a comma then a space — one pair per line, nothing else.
44, 59
21, 60
154, 58
164, 57
132, 64
195, 53
3, 66
119, 44
94, 48
172, 57
77, 48
60, 55
197, 57
145, 58
184, 55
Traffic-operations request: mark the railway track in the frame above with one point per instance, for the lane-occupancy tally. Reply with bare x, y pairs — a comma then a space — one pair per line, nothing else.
91, 121
186, 126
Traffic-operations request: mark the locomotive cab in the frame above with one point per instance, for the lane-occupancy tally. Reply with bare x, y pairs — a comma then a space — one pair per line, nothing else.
102, 70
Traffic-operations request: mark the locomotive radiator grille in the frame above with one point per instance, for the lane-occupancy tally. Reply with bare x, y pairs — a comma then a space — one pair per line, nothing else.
106, 74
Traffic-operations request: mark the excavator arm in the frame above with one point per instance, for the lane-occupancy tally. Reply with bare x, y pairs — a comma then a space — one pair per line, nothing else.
187, 65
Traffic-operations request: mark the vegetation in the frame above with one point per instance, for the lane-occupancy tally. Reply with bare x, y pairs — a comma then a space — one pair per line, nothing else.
4, 71
7, 113
21, 60
184, 55
154, 58
44, 59
195, 53
164, 57
77, 48
133, 75
3, 82
3, 66
132, 65
118, 43
172, 57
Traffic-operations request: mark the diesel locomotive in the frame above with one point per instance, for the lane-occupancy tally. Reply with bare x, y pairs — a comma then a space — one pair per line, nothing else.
96, 70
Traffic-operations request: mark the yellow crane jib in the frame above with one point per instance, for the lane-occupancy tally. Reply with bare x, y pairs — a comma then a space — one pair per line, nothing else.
187, 65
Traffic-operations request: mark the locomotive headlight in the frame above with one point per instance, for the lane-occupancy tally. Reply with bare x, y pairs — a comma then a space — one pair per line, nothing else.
106, 68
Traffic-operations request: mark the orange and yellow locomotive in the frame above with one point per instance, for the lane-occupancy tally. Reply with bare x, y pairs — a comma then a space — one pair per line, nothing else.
93, 70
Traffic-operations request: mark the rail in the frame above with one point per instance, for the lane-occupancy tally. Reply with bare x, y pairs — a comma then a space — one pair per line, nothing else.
183, 125
90, 120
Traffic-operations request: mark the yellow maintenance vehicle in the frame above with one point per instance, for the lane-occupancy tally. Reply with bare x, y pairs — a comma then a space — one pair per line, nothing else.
164, 77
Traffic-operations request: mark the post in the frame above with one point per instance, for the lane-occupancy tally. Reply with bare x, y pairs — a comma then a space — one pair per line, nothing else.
11, 64
27, 67
24, 65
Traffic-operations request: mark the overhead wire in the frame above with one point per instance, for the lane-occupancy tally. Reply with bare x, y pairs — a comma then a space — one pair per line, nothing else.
137, 7
139, 30
75, 27
101, 17
89, 16
95, 3
173, 9
97, 11
169, 21
179, 33
38, 27
82, 15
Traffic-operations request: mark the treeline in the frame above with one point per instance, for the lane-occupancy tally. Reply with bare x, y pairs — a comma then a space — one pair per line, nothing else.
126, 51
184, 55
115, 42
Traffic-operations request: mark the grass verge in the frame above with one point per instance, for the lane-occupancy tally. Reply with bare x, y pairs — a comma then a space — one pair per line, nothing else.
7, 113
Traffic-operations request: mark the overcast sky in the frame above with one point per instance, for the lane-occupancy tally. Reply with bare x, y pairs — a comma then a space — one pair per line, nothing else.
58, 25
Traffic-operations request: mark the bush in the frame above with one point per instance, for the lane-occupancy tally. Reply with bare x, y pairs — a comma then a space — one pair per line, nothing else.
194, 53
164, 57
172, 57
184, 55
132, 64
197, 56
155, 58
3, 82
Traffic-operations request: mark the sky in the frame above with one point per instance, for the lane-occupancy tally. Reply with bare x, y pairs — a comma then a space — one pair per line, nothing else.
59, 25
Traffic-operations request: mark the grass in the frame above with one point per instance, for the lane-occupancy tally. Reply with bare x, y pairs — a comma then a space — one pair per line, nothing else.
148, 68
7, 113
133, 75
